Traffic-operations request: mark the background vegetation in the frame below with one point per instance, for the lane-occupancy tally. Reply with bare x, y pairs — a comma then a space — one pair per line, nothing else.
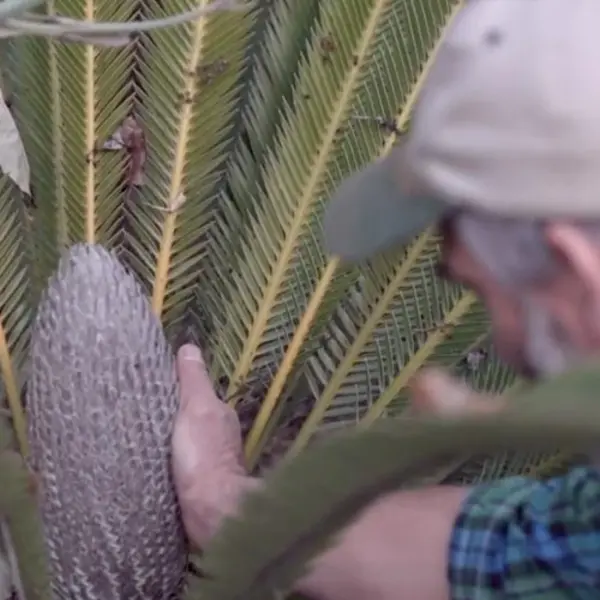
204, 155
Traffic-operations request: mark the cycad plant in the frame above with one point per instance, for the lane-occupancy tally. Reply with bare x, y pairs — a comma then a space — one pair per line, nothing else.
203, 155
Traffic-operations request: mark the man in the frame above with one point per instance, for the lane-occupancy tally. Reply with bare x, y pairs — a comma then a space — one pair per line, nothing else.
504, 153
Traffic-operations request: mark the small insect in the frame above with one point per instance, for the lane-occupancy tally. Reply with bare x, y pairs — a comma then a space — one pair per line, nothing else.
130, 137
474, 360
134, 140
327, 46
209, 72
186, 97
387, 124
195, 570
30, 201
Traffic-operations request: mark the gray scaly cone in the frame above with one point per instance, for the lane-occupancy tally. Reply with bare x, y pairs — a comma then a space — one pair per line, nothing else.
101, 401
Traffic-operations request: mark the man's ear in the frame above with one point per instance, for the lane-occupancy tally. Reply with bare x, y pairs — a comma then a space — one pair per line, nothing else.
580, 256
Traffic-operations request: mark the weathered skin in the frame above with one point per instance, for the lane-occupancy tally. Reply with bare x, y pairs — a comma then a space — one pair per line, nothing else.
101, 401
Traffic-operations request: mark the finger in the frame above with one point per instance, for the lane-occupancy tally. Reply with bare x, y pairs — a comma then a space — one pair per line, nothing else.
436, 392
194, 382
205, 424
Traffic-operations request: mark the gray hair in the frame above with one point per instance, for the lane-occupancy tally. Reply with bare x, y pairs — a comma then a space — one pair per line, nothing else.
515, 251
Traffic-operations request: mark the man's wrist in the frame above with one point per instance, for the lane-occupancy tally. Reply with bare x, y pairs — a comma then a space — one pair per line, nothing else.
205, 508
234, 488
396, 548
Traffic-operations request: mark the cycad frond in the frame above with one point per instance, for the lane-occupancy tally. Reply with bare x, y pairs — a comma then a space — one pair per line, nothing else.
275, 63
295, 177
397, 290
374, 331
17, 505
284, 27
351, 68
189, 81
376, 345
72, 99
15, 301
38, 126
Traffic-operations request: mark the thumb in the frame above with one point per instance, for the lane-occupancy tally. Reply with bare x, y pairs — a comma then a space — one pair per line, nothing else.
194, 381
207, 430
436, 392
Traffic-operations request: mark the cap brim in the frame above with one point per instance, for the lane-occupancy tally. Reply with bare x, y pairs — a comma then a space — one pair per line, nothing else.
369, 213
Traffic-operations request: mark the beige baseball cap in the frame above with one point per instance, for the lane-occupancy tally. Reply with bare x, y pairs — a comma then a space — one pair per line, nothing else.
508, 122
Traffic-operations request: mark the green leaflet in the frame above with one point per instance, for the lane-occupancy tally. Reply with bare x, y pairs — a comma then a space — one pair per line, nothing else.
18, 506
314, 495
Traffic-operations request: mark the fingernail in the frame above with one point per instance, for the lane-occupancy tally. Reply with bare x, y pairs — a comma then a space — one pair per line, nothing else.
191, 353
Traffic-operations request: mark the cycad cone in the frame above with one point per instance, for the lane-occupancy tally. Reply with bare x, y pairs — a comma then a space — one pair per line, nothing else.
101, 400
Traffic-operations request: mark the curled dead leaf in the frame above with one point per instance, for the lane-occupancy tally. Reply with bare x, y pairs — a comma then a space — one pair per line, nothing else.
134, 140
13, 159
130, 136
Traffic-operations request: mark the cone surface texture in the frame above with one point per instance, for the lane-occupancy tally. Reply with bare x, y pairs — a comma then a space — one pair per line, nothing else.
101, 401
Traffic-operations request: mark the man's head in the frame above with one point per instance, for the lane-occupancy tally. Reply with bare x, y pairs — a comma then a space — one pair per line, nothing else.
504, 150
540, 281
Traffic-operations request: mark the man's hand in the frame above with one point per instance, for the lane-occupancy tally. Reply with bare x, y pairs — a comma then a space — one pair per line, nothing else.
397, 548
433, 391
207, 451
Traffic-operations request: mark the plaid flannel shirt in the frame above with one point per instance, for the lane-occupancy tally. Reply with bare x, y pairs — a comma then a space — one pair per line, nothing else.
523, 538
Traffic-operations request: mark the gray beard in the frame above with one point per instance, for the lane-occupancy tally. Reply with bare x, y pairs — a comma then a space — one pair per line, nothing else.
547, 351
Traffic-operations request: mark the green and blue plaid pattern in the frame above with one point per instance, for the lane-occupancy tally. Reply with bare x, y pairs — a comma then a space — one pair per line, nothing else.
523, 538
